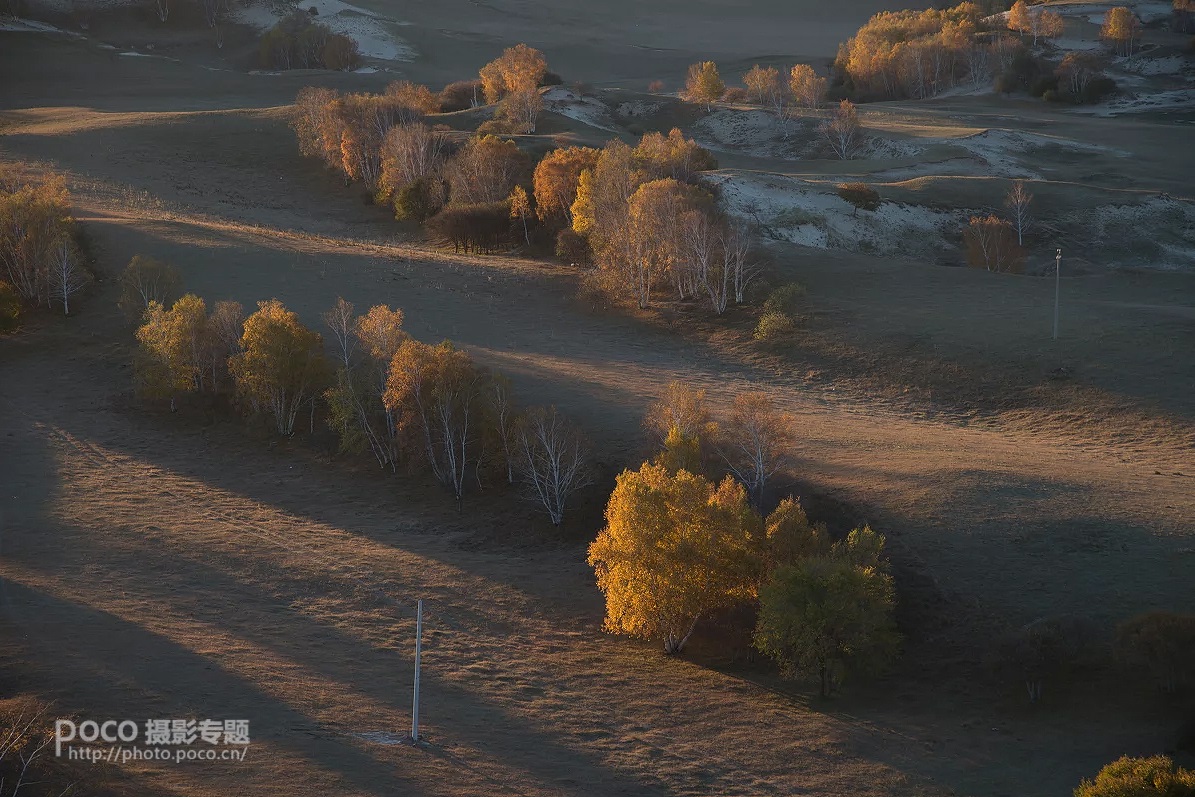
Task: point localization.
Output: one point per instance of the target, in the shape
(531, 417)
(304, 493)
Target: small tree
(755, 441)
(1140, 777)
(523, 108)
(1017, 200)
(762, 83)
(843, 131)
(674, 549)
(1048, 648)
(281, 365)
(520, 209)
(704, 84)
(681, 408)
(518, 69)
(806, 86)
(992, 245)
(1160, 645)
(555, 459)
(859, 195)
(823, 615)
(145, 280)
(67, 274)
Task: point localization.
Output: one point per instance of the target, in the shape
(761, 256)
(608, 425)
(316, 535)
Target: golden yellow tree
(556, 179)
(1121, 29)
(704, 84)
(806, 86)
(675, 548)
(518, 69)
(762, 83)
(281, 366)
(520, 208)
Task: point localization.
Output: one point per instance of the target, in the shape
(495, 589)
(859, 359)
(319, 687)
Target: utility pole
(1057, 289)
(418, 654)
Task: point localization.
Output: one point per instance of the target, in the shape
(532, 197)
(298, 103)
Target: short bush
(1097, 90)
(551, 79)
(1042, 84)
(784, 299)
(735, 95)
(10, 308)
(460, 95)
(572, 248)
(418, 200)
(497, 126)
(1140, 777)
(775, 326)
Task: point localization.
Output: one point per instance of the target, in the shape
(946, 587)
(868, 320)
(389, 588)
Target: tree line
(412, 405)
(639, 214)
(297, 41)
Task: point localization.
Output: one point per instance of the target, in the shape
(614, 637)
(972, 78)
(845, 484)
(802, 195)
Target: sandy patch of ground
(586, 110)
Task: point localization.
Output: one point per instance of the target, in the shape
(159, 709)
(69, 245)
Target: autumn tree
(520, 210)
(860, 196)
(506, 420)
(717, 258)
(675, 548)
(807, 86)
(356, 406)
(485, 170)
(992, 245)
(411, 153)
(756, 439)
(1160, 645)
(35, 222)
(681, 408)
(843, 131)
(673, 156)
(439, 396)
(763, 84)
(555, 459)
(1121, 30)
(144, 280)
(822, 615)
(652, 244)
(281, 366)
(1017, 200)
(414, 95)
(176, 348)
(555, 182)
(518, 69)
(703, 84)
(1140, 777)
(1077, 70)
(790, 537)
(522, 109)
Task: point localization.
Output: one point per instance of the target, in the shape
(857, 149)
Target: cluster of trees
(1157, 648)
(409, 403)
(921, 53)
(650, 226)
(1034, 22)
(513, 81)
(41, 263)
(678, 547)
(1121, 30)
(1182, 18)
(997, 244)
(299, 42)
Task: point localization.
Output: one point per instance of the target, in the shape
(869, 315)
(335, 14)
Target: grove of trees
(299, 42)
(40, 259)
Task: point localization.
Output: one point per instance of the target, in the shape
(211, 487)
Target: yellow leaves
(1122, 29)
(582, 209)
(557, 178)
(674, 547)
(380, 331)
(703, 83)
(518, 69)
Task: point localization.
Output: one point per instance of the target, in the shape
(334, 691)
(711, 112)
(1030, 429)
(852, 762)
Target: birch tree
(843, 131)
(756, 441)
(555, 459)
(281, 364)
(144, 280)
(67, 274)
(1017, 200)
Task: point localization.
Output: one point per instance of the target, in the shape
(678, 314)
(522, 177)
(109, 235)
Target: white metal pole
(418, 654)
(1057, 288)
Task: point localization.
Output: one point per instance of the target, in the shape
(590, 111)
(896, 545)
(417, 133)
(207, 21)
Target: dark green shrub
(418, 200)
(572, 248)
(10, 308)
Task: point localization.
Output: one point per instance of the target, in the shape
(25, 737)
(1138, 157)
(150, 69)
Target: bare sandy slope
(189, 571)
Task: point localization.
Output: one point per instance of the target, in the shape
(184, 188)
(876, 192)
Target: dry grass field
(175, 565)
